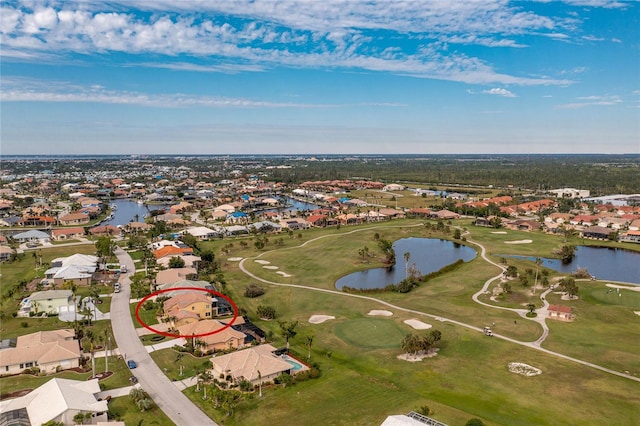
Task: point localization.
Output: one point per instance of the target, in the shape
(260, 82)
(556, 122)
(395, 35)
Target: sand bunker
(380, 313)
(519, 242)
(499, 232)
(636, 312)
(319, 319)
(262, 262)
(419, 356)
(416, 324)
(234, 259)
(284, 274)
(270, 267)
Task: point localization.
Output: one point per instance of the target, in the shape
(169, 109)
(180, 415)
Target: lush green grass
(170, 361)
(370, 333)
(469, 376)
(124, 409)
(119, 379)
(148, 316)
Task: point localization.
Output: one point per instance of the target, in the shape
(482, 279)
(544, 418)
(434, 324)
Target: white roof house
(202, 232)
(76, 259)
(59, 400)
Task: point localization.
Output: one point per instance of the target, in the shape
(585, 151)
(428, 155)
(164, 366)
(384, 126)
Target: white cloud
(587, 101)
(500, 92)
(31, 90)
(331, 34)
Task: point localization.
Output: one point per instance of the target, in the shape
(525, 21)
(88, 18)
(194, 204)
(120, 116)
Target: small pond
(604, 263)
(428, 255)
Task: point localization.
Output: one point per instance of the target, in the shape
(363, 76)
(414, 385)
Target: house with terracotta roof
(558, 312)
(219, 341)
(170, 251)
(188, 307)
(61, 234)
(47, 350)
(106, 231)
(256, 364)
(630, 237)
(172, 275)
(74, 219)
(445, 215)
(523, 225)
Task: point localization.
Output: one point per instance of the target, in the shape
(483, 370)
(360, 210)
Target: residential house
(50, 302)
(187, 307)
(40, 220)
(61, 234)
(630, 237)
(523, 225)
(256, 364)
(558, 312)
(105, 231)
(58, 400)
(32, 236)
(172, 275)
(48, 351)
(266, 226)
(202, 233)
(136, 227)
(5, 253)
(419, 212)
(597, 232)
(74, 219)
(570, 193)
(78, 268)
(445, 215)
(392, 213)
(219, 341)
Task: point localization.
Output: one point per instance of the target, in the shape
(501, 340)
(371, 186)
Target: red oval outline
(164, 333)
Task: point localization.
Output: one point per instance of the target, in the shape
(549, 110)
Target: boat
(114, 207)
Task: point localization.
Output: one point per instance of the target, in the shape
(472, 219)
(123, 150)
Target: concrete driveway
(163, 392)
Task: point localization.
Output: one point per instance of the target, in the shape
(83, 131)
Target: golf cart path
(534, 345)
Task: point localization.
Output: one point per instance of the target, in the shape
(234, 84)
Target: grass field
(362, 381)
(468, 378)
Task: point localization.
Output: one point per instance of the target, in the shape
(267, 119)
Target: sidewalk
(164, 345)
(116, 393)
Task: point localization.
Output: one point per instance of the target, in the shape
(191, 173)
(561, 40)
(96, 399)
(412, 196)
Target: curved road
(169, 399)
(534, 345)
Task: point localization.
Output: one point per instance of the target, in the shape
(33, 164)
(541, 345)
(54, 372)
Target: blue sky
(309, 77)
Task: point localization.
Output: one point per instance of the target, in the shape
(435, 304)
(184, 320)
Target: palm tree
(288, 330)
(71, 285)
(535, 283)
(260, 383)
(309, 342)
(407, 256)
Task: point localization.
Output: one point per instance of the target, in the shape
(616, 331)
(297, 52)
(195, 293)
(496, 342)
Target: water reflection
(428, 255)
(603, 262)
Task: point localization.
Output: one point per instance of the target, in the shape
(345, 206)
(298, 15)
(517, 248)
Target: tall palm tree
(407, 256)
(309, 342)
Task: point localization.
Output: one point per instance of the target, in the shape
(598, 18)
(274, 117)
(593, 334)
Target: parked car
(132, 364)
(133, 380)
(116, 288)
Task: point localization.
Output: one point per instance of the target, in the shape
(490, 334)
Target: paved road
(533, 345)
(163, 392)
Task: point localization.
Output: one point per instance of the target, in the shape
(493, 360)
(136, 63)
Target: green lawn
(148, 316)
(124, 409)
(469, 376)
(119, 379)
(170, 361)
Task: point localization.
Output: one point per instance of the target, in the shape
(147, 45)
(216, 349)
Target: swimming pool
(296, 365)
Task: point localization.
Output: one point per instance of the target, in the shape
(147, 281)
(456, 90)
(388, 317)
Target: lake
(428, 255)
(604, 263)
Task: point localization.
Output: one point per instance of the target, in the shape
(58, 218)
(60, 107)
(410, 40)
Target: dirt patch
(419, 356)
(102, 376)
(15, 394)
(523, 369)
